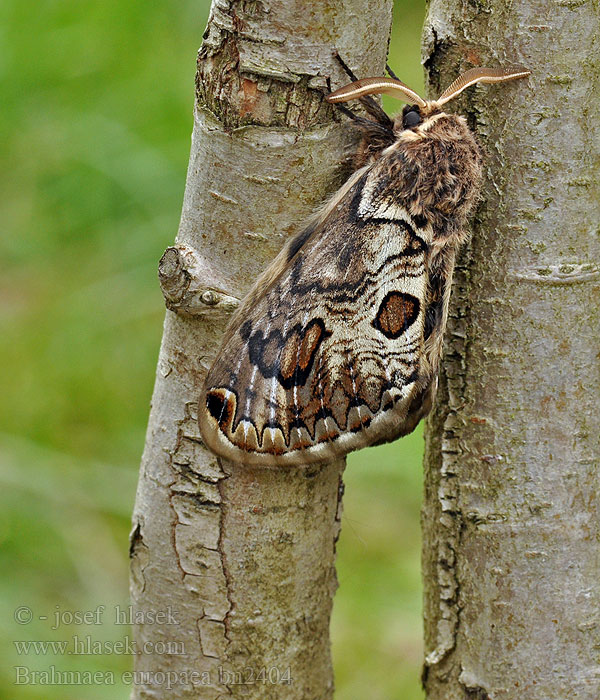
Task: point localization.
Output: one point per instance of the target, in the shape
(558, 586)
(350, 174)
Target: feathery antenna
(396, 88)
(481, 75)
(376, 86)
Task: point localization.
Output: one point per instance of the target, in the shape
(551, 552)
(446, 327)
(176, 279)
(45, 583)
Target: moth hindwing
(338, 343)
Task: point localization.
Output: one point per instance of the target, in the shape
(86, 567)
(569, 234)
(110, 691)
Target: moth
(338, 343)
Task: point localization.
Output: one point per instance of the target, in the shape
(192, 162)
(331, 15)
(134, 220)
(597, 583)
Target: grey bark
(511, 515)
(243, 558)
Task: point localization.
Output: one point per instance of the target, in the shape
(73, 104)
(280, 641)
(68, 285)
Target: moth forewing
(337, 345)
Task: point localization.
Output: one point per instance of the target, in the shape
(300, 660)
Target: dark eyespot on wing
(397, 312)
(220, 407)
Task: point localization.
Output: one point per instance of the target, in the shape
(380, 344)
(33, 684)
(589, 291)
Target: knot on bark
(186, 283)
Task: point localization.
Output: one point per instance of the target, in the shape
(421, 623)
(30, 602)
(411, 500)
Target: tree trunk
(242, 559)
(511, 516)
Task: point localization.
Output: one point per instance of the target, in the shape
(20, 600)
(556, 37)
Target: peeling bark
(243, 558)
(511, 517)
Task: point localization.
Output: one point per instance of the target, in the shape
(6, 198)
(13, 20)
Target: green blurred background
(96, 121)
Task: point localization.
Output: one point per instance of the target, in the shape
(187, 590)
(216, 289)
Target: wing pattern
(325, 354)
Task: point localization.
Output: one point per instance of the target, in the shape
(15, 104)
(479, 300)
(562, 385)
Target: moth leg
(370, 105)
(378, 133)
(343, 109)
(375, 137)
(391, 72)
(347, 70)
(366, 124)
(376, 111)
(350, 114)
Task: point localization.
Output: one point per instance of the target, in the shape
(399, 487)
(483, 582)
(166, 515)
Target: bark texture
(243, 558)
(511, 515)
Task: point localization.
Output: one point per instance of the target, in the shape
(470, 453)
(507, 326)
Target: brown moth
(338, 343)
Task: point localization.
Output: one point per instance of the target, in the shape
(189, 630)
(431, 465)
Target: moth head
(418, 110)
